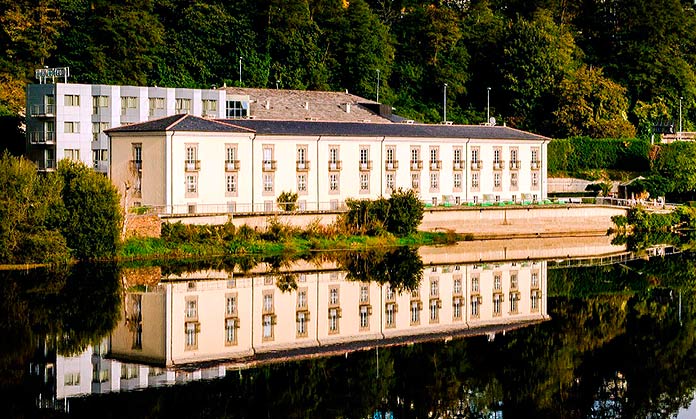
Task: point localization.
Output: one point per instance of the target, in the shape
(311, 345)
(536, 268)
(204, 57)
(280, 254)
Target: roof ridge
(231, 125)
(170, 126)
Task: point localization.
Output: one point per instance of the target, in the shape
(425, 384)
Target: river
(449, 332)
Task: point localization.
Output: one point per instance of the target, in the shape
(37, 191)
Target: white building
(188, 164)
(67, 120)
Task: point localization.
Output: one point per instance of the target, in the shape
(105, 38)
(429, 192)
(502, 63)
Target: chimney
(306, 105)
(347, 107)
(268, 104)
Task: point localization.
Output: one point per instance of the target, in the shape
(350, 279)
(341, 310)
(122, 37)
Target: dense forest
(602, 68)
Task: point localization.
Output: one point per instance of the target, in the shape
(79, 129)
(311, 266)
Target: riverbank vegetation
(72, 213)
(367, 224)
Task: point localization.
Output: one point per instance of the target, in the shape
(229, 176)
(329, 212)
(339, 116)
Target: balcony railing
(476, 164)
(268, 165)
(366, 165)
(514, 164)
(43, 110)
(46, 165)
(391, 164)
(334, 165)
(136, 165)
(535, 165)
(498, 165)
(416, 164)
(457, 165)
(42, 137)
(435, 164)
(101, 166)
(192, 165)
(302, 165)
(231, 165)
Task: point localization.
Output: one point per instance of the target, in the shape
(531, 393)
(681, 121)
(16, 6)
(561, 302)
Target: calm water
(379, 334)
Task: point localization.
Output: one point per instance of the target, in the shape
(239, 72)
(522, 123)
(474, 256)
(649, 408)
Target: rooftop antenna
(444, 104)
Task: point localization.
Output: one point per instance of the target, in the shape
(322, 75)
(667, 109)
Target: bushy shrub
(400, 215)
(287, 201)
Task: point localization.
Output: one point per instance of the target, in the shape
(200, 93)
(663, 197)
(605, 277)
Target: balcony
(457, 165)
(136, 165)
(366, 165)
(514, 164)
(535, 165)
(192, 165)
(498, 165)
(334, 165)
(416, 164)
(46, 165)
(302, 165)
(231, 165)
(391, 164)
(476, 164)
(38, 111)
(268, 165)
(42, 137)
(435, 164)
(101, 166)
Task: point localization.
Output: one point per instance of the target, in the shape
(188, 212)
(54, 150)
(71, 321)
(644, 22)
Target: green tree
(591, 104)
(27, 205)
(91, 215)
(677, 162)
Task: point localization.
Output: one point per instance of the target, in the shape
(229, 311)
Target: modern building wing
(189, 164)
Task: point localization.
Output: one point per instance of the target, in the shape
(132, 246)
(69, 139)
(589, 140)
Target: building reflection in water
(197, 325)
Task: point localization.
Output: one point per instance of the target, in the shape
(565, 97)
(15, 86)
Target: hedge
(579, 153)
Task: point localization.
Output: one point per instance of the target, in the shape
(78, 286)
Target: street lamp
(240, 70)
(680, 116)
(444, 104)
(488, 106)
(378, 85)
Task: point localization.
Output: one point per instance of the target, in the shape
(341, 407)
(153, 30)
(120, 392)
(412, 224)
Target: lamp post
(680, 117)
(240, 71)
(378, 85)
(488, 106)
(444, 104)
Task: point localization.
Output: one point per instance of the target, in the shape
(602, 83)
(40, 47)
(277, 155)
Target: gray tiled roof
(301, 105)
(377, 130)
(182, 122)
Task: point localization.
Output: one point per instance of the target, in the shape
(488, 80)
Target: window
(497, 304)
(231, 184)
(434, 181)
(364, 317)
(231, 154)
(534, 300)
(415, 312)
(364, 158)
(390, 311)
(268, 162)
(475, 180)
(191, 308)
(191, 154)
(230, 331)
(98, 128)
(415, 181)
(99, 102)
(535, 279)
(475, 284)
(138, 152)
(301, 183)
(390, 182)
(496, 180)
(434, 288)
(267, 323)
(72, 154)
(513, 302)
(333, 296)
(210, 106)
(364, 293)
(237, 109)
(333, 182)
(333, 158)
(128, 102)
(496, 156)
(391, 151)
(434, 158)
(474, 155)
(434, 310)
(415, 157)
(514, 164)
(267, 302)
(191, 184)
(155, 103)
(513, 179)
(497, 282)
(389, 293)
(364, 182)
(475, 306)
(333, 320)
(457, 160)
(301, 324)
(71, 379)
(302, 298)
(192, 330)
(70, 127)
(182, 105)
(535, 178)
(302, 163)
(457, 288)
(457, 180)
(231, 305)
(513, 281)
(72, 100)
(535, 156)
(268, 183)
(457, 308)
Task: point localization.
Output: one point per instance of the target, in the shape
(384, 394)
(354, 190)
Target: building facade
(185, 164)
(67, 120)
